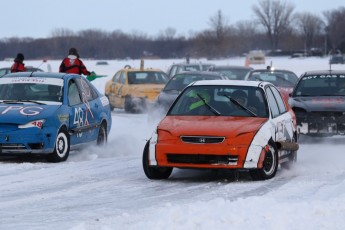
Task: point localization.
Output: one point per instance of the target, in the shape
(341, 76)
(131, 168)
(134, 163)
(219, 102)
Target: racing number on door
(79, 119)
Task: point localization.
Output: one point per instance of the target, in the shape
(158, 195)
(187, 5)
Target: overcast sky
(39, 18)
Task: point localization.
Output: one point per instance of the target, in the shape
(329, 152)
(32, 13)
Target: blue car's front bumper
(24, 141)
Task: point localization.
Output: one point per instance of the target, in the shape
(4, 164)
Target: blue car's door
(93, 107)
(79, 125)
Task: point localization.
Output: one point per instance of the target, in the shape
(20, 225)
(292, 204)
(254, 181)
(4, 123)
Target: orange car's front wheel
(154, 172)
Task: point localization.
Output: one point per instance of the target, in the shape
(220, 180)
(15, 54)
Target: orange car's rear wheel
(292, 159)
(154, 172)
(270, 165)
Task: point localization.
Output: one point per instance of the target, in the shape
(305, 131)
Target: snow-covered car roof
(324, 72)
(232, 82)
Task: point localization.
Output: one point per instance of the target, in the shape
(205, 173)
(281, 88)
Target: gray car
(318, 101)
(182, 67)
(233, 72)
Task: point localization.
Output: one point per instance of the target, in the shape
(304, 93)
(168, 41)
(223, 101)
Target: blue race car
(50, 114)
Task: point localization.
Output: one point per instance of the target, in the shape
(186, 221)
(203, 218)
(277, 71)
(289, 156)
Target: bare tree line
(276, 27)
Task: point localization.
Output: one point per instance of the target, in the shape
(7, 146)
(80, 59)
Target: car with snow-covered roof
(284, 80)
(187, 66)
(7, 70)
(337, 59)
(50, 114)
(232, 72)
(224, 124)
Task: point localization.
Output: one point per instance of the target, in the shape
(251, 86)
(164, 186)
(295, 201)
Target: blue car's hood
(23, 113)
(324, 103)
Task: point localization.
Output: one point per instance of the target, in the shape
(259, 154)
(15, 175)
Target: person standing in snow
(18, 65)
(72, 64)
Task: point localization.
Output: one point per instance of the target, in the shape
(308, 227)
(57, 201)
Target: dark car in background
(318, 101)
(187, 66)
(337, 59)
(176, 84)
(284, 80)
(7, 70)
(232, 72)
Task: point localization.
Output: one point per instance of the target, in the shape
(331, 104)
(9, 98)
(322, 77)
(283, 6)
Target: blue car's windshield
(31, 90)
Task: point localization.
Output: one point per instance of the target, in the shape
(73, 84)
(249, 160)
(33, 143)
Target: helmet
(73, 51)
(240, 96)
(54, 89)
(20, 57)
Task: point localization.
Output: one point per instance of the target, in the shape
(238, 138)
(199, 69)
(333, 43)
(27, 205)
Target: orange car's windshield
(243, 101)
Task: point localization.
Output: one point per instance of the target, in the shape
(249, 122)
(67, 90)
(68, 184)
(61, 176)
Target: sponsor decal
(25, 111)
(36, 80)
(328, 101)
(26, 80)
(104, 101)
(63, 117)
(323, 76)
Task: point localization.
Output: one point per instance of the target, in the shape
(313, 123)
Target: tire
(154, 173)
(292, 158)
(102, 136)
(270, 165)
(61, 147)
(128, 105)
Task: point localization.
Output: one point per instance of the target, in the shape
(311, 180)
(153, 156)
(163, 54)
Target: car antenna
(187, 58)
(44, 60)
(142, 64)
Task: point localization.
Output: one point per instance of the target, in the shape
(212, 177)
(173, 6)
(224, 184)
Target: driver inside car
(241, 97)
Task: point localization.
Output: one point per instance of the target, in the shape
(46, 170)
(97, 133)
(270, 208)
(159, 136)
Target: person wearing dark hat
(72, 64)
(18, 65)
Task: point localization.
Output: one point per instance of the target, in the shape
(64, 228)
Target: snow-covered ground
(107, 189)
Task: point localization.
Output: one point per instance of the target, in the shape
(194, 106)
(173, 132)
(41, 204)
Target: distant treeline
(285, 33)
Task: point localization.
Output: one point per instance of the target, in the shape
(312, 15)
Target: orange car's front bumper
(220, 155)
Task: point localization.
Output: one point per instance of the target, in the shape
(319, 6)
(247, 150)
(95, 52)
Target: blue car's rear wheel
(61, 148)
(102, 137)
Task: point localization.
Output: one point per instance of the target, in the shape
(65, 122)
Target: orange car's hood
(211, 125)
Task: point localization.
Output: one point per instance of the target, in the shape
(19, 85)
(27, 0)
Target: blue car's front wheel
(62, 147)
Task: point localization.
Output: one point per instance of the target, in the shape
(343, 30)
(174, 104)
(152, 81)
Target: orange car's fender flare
(152, 149)
(259, 142)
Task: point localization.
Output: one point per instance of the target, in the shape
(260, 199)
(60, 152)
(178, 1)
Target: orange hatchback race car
(224, 124)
